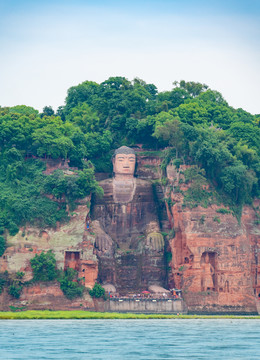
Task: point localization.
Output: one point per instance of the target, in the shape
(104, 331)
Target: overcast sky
(50, 45)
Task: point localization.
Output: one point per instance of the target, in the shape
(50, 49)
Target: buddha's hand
(103, 241)
(155, 241)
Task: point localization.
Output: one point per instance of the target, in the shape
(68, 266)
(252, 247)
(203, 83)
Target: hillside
(202, 156)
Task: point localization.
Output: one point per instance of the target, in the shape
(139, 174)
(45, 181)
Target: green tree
(171, 132)
(47, 111)
(15, 290)
(238, 182)
(2, 245)
(44, 266)
(97, 292)
(70, 286)
(193, 88)
(83, 116)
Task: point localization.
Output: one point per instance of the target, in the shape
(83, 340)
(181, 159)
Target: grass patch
(79, 314)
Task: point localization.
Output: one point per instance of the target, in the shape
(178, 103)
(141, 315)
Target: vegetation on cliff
(44, 268)
(194, 122)
(2, 245)
(97, 292)
(69, 285)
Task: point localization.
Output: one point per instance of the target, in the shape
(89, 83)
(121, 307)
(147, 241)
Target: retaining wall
(155, 306)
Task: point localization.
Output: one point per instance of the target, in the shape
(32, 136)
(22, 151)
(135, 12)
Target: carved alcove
(208, 265)
(72, 260)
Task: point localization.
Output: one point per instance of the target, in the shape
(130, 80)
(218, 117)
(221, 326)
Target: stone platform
(145, 306)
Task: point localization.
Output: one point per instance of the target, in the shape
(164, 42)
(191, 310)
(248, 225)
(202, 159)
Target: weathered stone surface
(215, 263)
(123, 214)
(45, 296)
(127, 257)
(129, 245)
(71, 244)
(148, 167)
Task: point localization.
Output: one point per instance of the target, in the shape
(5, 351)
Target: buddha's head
(124, 161)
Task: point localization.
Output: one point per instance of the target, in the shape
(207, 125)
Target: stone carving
(128, 242)
(208, 272)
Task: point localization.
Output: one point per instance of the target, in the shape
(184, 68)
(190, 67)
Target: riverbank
(46, 314)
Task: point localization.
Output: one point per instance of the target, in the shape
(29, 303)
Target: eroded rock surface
(215, 260)
(72, 246)
(128, 244)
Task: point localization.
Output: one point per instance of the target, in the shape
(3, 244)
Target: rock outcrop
(212, 258)
(72, 245)
(215, 260)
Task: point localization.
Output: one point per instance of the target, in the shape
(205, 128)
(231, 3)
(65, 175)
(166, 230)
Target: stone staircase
(164, 221)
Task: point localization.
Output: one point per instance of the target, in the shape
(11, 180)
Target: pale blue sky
(48, 46)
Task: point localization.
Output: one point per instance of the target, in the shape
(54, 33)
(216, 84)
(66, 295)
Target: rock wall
(44, 296)
(72, 245)
(215, 260)
(150, 306)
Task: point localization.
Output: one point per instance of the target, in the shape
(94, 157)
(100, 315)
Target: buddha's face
(124, 164)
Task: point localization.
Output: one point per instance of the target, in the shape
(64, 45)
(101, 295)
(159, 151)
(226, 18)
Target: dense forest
(191, 124)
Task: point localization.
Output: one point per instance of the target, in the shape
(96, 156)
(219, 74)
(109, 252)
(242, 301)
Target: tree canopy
(192, 119)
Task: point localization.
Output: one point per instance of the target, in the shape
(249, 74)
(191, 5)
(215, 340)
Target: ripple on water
(130, 339)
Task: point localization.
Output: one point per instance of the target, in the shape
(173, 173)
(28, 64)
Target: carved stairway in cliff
(159, 198)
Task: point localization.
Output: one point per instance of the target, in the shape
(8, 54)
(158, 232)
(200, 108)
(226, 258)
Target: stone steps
(161, 204)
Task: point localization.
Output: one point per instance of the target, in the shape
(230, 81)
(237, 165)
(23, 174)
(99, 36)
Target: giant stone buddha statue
(128, 242)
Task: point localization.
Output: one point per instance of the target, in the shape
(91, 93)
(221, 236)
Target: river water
(130, 339)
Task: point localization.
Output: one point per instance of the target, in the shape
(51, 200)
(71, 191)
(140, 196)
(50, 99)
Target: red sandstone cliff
(215, 260)
(73, 247)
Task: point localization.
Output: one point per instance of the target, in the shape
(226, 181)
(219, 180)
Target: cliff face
(72, 246)
(215, 260)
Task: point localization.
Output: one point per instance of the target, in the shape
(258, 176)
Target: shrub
(97, 292)
(15, 290)
(223, 211)
(71, 288)
(217, 219)
(20, 274)
(2, 245)
(202, 219)
(177, 163)
(164, 181)
(168, 256)
(13, 229)
(2, 281)
(44, 266)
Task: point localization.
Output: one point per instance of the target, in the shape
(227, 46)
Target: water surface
(130, 339)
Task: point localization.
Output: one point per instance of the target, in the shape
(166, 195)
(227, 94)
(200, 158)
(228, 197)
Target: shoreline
(81, 314)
